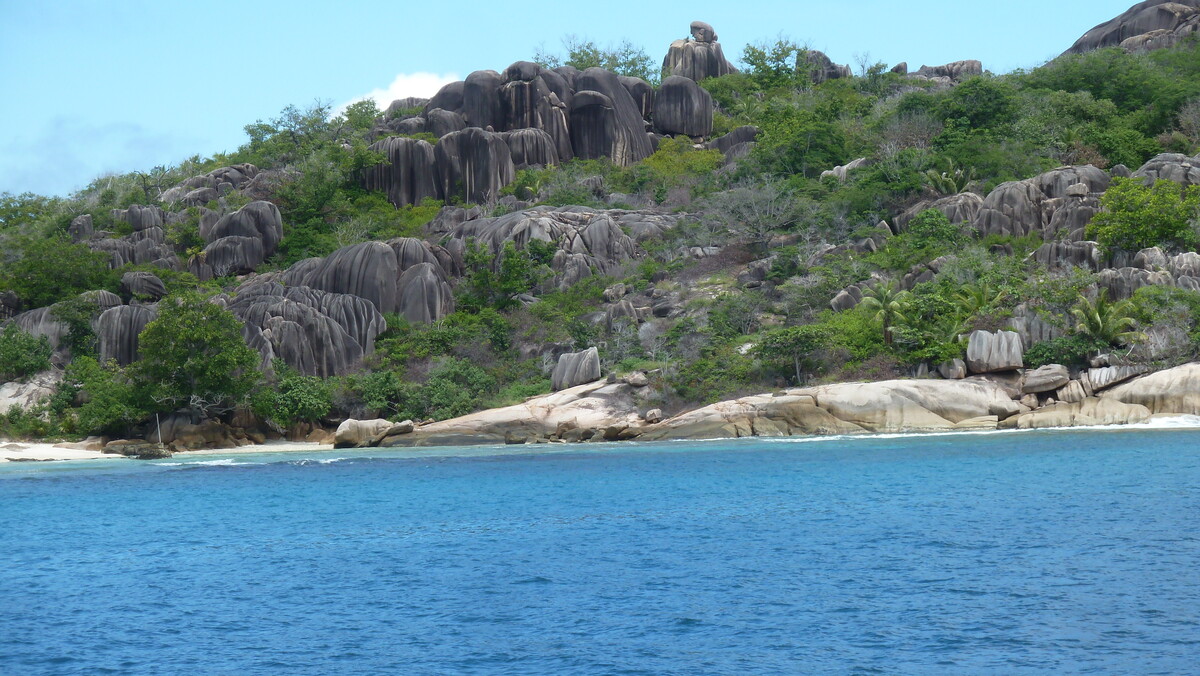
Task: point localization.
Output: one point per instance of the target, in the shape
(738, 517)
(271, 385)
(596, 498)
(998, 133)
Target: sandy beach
(21, 451)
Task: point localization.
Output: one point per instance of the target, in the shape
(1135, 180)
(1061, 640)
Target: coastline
(48, 452)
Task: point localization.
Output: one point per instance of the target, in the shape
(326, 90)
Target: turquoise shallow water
(1048, 552)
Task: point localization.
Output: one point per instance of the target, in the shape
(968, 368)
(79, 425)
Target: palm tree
(889, 305)
(976, 298)
(1106, 322)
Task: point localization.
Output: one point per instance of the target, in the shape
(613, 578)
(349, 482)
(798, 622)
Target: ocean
(1008, 553)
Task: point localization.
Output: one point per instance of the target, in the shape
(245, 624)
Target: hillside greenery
(772, 209)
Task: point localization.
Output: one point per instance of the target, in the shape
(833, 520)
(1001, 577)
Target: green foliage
(796, 141)
(1067, 350)
(773, 66)
(623, 59)
(1135, 216)
(1105, 322)
(928, 235)
(78, 314)
(25, 208)
(294, 398)
(22, 354)
(193, 356)
(52, 269)
(496, 281)
(360, 115)
(887, 305)
(108, 401)
(794, 347)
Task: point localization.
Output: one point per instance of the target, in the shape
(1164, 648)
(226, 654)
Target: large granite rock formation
(408, 175)
(378, 273)
(606, 121)
(481, 100)
(533, 98)
(143, 285)
(313, 331)
(1172, 167)
(989, 352)
(1174, 390)
(1149, 24)
(683, 107)
(117, 330)
(239, 242)
(214, 183)
(576, 368)
(1057, 204)
(821, 68)
(698, 58)
(473, 164)
(531, 148)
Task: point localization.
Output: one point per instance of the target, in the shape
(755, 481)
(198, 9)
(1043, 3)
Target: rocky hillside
(718, 231)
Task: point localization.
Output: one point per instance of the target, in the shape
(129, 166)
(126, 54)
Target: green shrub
(1067, 350)
(1135, 216)
(22, 354)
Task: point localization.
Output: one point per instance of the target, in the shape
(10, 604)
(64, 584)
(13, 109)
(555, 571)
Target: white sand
(14, 450)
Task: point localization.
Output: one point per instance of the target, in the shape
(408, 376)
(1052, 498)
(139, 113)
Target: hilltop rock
(1139, 25)
(239, 242)
(822, 68)
(481, 100)
(533, 98)
(955, 71)
(682, 107)
(699, 58)
(576, 368)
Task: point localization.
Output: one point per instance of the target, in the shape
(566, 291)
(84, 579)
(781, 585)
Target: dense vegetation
(731, 332)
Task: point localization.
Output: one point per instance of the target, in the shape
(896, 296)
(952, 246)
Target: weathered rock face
(1085, 412)
(359, 433)
(955, 71)
(26, 395)
(81, 228)
(576, 368)
(143, 285)
(642, 93)
(683, 107)
(1172, 167)
(596, 411)
(214, 183)
(1121, 283)
(141, 217)
(822, 68)
(1138, 25)
(408, 175)
(698, 58)
(739, 136)
(1174, 390)
(850, 408)
(146, 246)
(532, 98)
(841, 172)
(473, 164)
(378, 273)
(440, 122)
(481, 100)
(607, 120)
(1062, 255)
(239, 242)
(117, 330)
(313, 331)
(586, 239)
(989, 352)
(531, 148)
(1051, 204)
(1045, 378)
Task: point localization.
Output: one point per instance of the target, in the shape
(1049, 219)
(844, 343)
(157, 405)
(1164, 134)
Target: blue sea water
(1046, 552)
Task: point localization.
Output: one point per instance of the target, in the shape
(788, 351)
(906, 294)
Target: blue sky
(95, 86)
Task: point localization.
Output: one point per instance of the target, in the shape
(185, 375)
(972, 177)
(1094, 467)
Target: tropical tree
(1106, 322)
(794, 345)
(889, 304)
(193, 357)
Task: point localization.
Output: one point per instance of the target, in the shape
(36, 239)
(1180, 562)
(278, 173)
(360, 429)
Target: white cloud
(423, 85)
